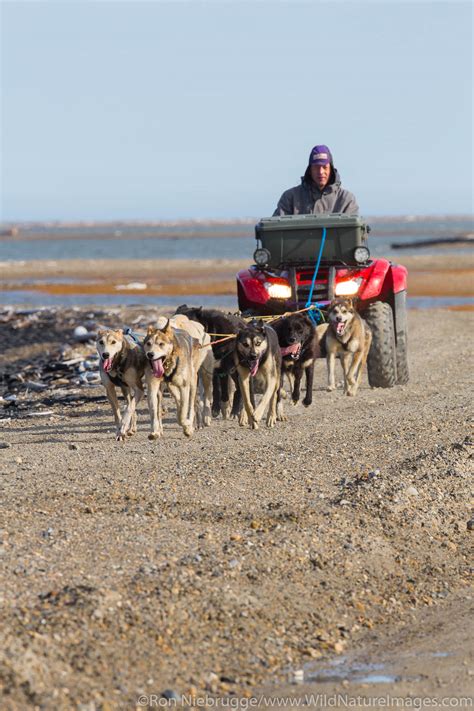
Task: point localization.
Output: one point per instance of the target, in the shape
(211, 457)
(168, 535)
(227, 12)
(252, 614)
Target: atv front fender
(250, 288)
(382, 279)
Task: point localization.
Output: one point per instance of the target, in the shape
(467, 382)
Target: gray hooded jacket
(306, 198)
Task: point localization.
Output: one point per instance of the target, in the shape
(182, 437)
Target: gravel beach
(238, 562)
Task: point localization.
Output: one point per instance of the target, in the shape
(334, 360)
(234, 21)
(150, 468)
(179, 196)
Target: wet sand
(432, 275)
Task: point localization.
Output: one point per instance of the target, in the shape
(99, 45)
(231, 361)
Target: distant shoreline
(78, 224)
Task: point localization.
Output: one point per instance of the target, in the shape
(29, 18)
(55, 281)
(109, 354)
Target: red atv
(307, 260)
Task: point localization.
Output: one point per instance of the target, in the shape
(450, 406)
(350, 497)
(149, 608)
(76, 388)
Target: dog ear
(352, 302)
(150, 329)
(167, 328)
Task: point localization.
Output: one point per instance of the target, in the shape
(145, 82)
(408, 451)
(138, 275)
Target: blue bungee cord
(309, 303)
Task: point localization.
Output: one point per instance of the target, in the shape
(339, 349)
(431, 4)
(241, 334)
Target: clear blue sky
(150, 110)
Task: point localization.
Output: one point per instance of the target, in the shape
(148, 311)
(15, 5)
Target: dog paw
(119, 437)
(243, 419)
(154, 435)
(254, 424)
(307, 402)
(216, 411)
(188, 430)
(207, 421)
(226, 409)
(330, 388)
(271, 421)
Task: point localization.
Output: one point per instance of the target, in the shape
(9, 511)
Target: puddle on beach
(342, 669)
(345, 669)
(34, 298)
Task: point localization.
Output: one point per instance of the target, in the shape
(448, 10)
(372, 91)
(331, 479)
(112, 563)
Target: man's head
(320, 166)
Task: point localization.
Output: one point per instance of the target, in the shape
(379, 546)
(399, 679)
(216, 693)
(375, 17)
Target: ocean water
(201, 241)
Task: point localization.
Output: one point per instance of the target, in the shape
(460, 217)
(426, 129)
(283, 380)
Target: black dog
(299, 344)
(215, 321)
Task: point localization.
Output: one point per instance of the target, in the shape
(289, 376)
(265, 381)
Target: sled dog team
(206, 379)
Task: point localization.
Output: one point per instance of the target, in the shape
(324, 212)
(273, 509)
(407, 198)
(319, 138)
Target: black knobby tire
(382, 360)
(403, 375)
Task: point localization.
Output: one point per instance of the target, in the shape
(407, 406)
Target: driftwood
(459, 239)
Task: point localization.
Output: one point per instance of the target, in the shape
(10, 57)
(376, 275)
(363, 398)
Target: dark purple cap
(320, 155)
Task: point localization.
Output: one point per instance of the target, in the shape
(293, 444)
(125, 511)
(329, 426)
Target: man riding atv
(315, 248)
(320, 190)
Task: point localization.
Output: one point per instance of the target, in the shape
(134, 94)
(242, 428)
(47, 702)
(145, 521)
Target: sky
(179, 110)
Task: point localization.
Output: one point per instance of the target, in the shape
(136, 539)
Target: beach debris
(83, 335)
(461, 238)
(5, 445)
(132, 286)
(41, 413)
(63, 364)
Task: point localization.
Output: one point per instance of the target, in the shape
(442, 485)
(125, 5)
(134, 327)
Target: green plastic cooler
(296, 239)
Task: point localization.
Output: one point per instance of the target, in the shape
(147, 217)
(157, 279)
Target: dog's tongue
(294, 349)
(107, 364)
(340, 328)
(254, 367)
(157, 367)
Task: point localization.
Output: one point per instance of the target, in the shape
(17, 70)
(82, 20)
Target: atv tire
(382, 360)
(403, 375)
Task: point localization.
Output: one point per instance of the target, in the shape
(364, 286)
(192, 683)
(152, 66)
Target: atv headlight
(361, 255)
(278, 291)
(262, 257)
(348, 288)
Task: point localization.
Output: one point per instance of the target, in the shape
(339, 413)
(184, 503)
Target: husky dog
(205, 364)
(257, 358)
(299, 346)
(215, 321)
(172, 358)
(348, 337)
(121, 365)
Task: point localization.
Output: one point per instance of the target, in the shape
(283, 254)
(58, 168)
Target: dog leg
(271, 387)
(206, 376)
(362, 359)
(244, 382)
(182, 397)
(331, 362)
(272, 409)
(281, 417)
(135, 394)
(154, 406)
(216, 392)
(346, 360)
(114, 403)
(237, 403)
(295, 395)
(353, 374)
(308, 398)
